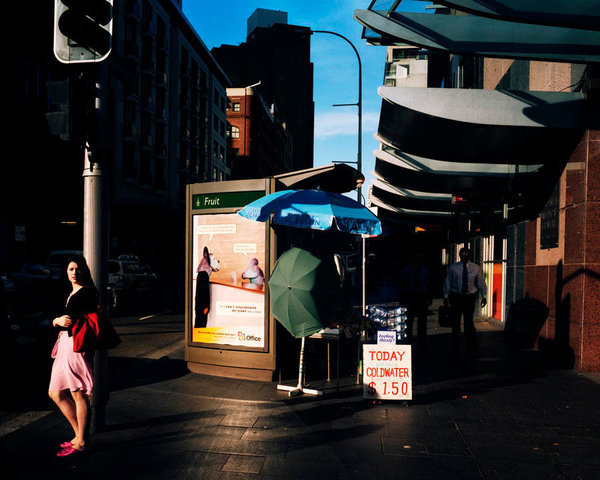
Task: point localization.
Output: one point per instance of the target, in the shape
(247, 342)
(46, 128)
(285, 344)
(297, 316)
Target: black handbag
(444, 316)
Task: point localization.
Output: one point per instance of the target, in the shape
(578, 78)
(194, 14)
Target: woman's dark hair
(86, 275)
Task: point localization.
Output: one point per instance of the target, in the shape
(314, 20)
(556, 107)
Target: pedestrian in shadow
(415, 294)
(463, 281)
(72, 371)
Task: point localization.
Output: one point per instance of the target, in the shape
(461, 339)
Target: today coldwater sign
(387, 372)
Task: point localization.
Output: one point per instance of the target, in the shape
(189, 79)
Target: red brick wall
(571, 287)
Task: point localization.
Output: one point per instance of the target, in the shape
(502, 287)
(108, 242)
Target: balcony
(148, 103)
(149, 29)
(162, 78)
(131, 130)
(161, 149)
(132, 10)
(161, 114)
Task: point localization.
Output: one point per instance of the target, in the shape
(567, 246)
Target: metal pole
(358, 104)
(358, 162)
(93, 251)
(364, 275)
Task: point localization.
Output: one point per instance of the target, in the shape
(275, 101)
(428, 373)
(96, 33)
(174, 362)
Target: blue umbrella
(314, 209)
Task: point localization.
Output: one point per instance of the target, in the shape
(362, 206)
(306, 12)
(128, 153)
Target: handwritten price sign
(387, 372)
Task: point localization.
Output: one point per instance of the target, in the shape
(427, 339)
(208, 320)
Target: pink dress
(73, 370)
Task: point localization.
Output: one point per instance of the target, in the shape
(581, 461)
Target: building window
(185, 58)
(235, 132)
(129, 167)
(146, 169)
(214, 173)
(159, 175)
(236, 107)
(183, 181)
(184, 158)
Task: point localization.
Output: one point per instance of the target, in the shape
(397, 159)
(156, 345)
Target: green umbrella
(303, 291)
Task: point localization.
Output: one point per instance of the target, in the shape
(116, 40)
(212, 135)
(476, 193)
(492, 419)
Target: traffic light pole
(83, 35)
(94, 250)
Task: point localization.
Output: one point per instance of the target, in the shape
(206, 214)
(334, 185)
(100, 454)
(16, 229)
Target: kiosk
(229, 330)
(228, 326)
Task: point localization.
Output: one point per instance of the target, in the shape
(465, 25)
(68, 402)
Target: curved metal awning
(493, 107)
(338, 178)
(390, 154)
(452, 184)
(406, 192)
(458, 125)
(410, 199)
(413, 214)
(473, 35)
(567, 13)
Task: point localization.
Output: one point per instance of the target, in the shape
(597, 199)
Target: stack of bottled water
(389, 318)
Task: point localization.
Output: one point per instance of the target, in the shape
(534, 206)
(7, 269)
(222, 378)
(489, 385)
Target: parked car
(130, 279)
(34, 275)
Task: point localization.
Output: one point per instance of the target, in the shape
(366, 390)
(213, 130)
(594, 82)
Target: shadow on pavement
(126, 372)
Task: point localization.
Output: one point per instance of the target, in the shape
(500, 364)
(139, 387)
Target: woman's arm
(62, 321)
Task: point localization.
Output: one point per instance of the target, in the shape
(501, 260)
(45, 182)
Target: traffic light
(73, 116)
(82, 30)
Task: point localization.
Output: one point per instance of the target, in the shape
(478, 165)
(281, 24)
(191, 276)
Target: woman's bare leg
(67, 407)
(82, 405)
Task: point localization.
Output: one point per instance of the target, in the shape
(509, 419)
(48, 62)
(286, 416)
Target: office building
(162, 124)
(278, 56)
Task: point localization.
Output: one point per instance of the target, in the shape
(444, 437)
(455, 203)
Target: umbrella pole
(301, 366)
(298, 389)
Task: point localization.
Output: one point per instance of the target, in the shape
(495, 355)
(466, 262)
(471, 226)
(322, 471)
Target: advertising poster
(228, 282)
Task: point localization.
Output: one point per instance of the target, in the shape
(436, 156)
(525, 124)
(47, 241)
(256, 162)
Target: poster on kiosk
(228, 280)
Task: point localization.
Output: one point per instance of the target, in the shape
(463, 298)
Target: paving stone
(515, 421)
(243, 464)
(564, 453)
(316, 468)
(527, 453)
(400, 446)
(579, 472)
(506, 468)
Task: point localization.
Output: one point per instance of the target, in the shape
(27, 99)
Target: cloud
(338, 124)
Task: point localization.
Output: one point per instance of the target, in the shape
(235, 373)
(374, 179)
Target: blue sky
(335, 64)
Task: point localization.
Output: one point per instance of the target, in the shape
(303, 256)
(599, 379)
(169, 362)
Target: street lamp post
(357, 104)
(358, 163)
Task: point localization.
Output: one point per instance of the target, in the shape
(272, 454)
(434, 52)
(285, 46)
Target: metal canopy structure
(567, 13)
(473, 35)
(337, 178)
(481, 126)
(490, 145)
(495, 154)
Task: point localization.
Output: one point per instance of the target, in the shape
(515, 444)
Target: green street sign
(224, 200)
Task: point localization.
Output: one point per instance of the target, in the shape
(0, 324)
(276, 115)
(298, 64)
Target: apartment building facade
(162, 124)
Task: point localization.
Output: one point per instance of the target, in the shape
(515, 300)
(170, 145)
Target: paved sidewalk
(499, 415)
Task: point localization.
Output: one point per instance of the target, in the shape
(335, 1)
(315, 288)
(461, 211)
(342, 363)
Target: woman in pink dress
(71, 381)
